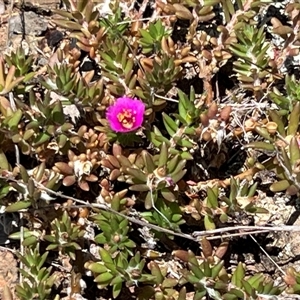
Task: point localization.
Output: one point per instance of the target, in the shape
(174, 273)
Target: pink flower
(126, 114)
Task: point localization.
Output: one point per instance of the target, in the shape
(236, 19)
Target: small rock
(2, 7)
(34, 24)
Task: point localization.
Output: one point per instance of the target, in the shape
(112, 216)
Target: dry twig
(219, 233)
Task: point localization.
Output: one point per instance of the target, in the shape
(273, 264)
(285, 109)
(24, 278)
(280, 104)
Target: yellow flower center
(127, 118)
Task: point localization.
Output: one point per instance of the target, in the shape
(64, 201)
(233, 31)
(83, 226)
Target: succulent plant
(71, 86)
(118, 147)
(286, 102)
(10, 79)
(292, 279)
(164, 286)
(83, 21)
(283, 140)
(117, 67)
(37, 278)
(64, 236)
(80, 168)
(251, 73)
(115, 272)
(114, 233)
(151, 39)
(210, 278)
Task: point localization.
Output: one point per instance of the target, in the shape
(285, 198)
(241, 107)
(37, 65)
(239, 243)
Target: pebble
(2, 7)
(34, 24)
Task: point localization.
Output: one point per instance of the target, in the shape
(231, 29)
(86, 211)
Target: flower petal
(122, 104)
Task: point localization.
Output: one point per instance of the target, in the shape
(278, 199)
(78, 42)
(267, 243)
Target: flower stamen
(127, 118)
